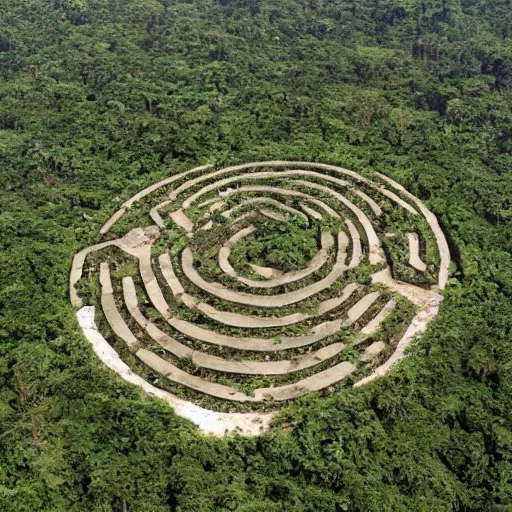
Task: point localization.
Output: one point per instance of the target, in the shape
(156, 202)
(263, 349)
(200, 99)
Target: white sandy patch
(209, 422)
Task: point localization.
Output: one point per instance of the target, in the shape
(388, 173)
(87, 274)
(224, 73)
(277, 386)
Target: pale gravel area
(428, 301)
(209, 422)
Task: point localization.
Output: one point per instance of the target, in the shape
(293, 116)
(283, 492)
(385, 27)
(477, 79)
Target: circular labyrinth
(244, 287)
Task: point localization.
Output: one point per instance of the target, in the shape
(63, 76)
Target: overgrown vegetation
(283, 246)
(99, 99)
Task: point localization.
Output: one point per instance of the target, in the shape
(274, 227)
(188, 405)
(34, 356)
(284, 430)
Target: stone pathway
(414, 252)
(314, 191)
(320, 258)
(265, 301)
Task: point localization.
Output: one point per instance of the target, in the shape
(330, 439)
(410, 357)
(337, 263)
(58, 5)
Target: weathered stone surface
(189, 301)
(250, 322)
(316, 382)
(163, 339)
(210, 422)
(373, 325)
(149, 190)
(372, 351)
(376, 254)
(271, 301)
(150, 282)
(225, 266)
(207, 202)
(239, 236)
(256, 344)
(270, 164)
(303, 387)
(256, 200)
(327, 241)
(108, 304)
(312, 213)
(265, 272)
(377, 210)
(429, 303)
(180, 218)
(168, 272)
(442, 244)
(129, 243)
(310, 183)
(360, 308)
(154, 213)
(316, 334)
(330, 304)
(173, 373)
(242, 217)
(207, 226)
(271, 214)
(259, 322)
(288, 174)
(418, 296)
(279, 191)
(225, 250)
(357, 251)
(216, 206)
(414, 252)
(271, 367)
(216, 363)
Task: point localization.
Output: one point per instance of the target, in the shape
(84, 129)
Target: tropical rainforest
(101, 98)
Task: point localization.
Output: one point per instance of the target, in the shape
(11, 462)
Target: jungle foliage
(100, 98)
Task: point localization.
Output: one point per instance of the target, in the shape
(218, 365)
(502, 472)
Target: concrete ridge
(271, 301)
(210, 362)
(309, 183)
(320, 258)
(414, 252)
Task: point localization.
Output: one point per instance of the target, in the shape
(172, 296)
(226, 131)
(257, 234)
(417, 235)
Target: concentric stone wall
(175, 301)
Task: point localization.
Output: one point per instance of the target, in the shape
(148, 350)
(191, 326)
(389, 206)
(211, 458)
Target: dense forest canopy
(99, 99)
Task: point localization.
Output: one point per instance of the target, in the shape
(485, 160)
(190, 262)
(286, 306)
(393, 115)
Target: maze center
(248, 286)
(282, 246)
